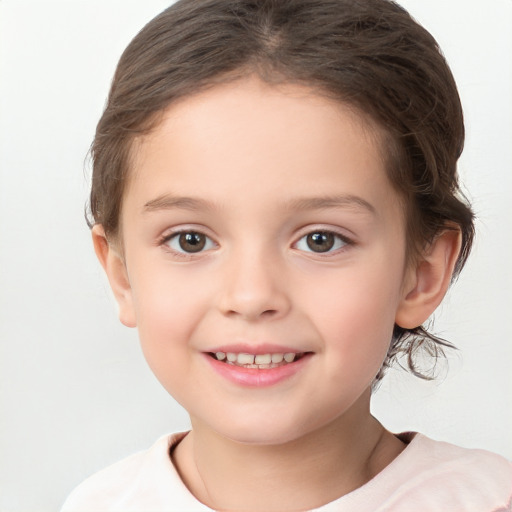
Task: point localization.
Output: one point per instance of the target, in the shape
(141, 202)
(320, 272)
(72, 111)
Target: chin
(263, 432)
(262, 438)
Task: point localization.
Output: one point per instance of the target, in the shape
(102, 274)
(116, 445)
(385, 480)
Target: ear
(429, 279)
(115, 268)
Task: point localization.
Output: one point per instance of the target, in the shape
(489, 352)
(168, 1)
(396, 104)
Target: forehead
(250, 138)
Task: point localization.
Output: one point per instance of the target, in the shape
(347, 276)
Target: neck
(324, 465)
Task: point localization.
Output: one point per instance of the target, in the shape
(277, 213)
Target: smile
(259, 361)
(257, 370)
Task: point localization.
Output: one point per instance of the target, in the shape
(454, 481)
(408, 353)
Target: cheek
(355, 315)
(168, 309)
(165, 297)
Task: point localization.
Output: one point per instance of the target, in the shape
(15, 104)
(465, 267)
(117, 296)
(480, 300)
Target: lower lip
(254, 377)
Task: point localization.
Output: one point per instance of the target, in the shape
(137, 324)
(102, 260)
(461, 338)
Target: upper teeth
(244, 359)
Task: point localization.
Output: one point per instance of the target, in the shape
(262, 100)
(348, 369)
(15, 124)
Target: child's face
(296, 244)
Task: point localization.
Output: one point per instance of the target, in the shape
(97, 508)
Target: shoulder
(451, 458)
(132, 483)
(443, 476)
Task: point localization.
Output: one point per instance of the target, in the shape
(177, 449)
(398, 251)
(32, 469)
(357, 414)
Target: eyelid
(171, 231)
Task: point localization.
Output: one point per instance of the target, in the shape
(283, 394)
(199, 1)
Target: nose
(254, 287)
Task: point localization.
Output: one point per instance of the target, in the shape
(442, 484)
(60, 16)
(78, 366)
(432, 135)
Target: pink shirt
(428, 476)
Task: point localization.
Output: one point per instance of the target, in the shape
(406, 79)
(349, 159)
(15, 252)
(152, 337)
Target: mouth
(258, 361)
(268, 367)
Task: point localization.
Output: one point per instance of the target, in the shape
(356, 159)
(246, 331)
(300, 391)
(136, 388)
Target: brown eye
(321, 241)
(191, 242)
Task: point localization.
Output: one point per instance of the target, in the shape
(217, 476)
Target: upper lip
(255, 348)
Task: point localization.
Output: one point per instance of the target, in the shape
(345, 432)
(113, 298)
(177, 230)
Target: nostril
(248, 314)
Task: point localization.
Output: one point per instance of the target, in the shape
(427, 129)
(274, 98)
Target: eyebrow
(327, 202)
(169, 202)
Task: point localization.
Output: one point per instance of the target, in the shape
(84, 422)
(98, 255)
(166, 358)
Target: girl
(276, 206)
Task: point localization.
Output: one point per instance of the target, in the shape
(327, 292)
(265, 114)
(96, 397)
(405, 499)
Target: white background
(75, 392)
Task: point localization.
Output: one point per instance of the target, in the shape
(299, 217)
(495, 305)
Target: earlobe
(115, 268)
(429, 280)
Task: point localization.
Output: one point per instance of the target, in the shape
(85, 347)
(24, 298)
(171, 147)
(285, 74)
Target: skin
(262, 167)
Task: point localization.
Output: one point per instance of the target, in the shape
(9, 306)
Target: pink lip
(254, 377)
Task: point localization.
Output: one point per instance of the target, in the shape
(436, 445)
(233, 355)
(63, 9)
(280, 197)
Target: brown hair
(369, 54)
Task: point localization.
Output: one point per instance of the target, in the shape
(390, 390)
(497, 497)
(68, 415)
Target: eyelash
(341, 241)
